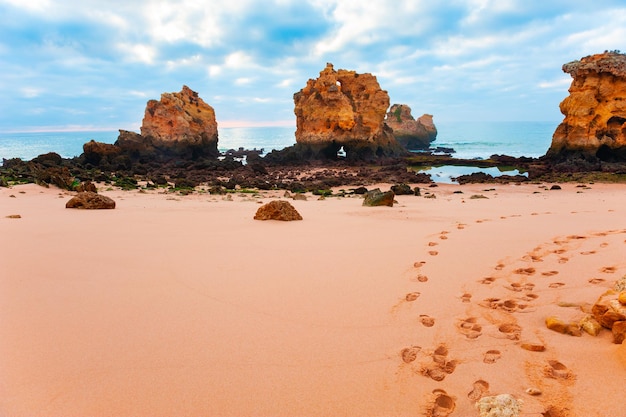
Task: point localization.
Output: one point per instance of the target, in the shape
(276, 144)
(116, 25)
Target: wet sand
(176, 305)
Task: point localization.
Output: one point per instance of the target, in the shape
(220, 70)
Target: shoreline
(174, 305)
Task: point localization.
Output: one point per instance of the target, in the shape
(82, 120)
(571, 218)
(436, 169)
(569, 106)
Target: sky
(93, 64)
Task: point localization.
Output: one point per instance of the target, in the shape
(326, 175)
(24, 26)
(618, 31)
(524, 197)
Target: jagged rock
(503, 405)
(94, 152)
(378, 198)
(90, 200)
(619, 332)
(411, 133)
(86, 186)
(181, 124)
(590, 325)
(402, 189)
(622, 298)
(559, 326)
(277, 210)
(343, 109)
(594, 127)
(49, 159)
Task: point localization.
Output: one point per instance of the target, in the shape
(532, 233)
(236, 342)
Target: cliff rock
(343, 109)
(594, 127)
(182, 124)
(410, 133)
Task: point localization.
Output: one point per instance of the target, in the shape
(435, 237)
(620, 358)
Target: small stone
(555, 187)
(299, 197)
(277, 210)
(590, 325)
(622, 298)
(556, 324)
(619, 332)
(14, 216)
(503, 405)
(533, 391)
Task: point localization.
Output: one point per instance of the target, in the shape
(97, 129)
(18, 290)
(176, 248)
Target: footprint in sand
(510, 330)
(588, 252)
(412, 296)
(433, 253)
(479, 388)
(419, 264)
(487, 280)
(491, 356)
(596, 281)
(422, 278)
(466, 298)
(410, 354)
(549, 273)
(470, 328)
(443, 237)
(460, 226)
(427, 321)
(563, 260)
(432, 243)
(608, 269)
(441, 366)
(525, 271)
(557, 370)
(556, 284)
(499, 267)
(442, 404)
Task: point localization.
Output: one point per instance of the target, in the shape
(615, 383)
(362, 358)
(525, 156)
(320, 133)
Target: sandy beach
(176, 305)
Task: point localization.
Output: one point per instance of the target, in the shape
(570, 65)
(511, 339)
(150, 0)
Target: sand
(176, 305)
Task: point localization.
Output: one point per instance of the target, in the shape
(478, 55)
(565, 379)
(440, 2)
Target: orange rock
(181, 120)
(343, 109)
(411, 133)
(595, 110)
(277, 210)
(619, 332)
(622, 298)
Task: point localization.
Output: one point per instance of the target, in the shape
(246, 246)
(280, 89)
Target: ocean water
(469, 139)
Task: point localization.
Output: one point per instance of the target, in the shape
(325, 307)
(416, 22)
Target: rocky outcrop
(594, 128)
(91, 201)
(343, 109)
(410, 133)
(181, 123)
(94, 151)
(377, 198)
(277, 210)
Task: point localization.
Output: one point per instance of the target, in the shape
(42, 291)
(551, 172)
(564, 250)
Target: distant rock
(410, 133)
(181, 123)
(378, 198)
(594, 127)
(277, 210)
(94, 152)
(90, 200)
(343, 109)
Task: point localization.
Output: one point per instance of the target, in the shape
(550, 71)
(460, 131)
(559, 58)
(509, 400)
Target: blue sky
(93, 64)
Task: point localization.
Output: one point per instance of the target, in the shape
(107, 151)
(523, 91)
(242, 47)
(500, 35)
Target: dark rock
(94, 152)
(378, 198)
(49, 159)
(402, 189)
(360, 190)
(555, 187)
(90, 200)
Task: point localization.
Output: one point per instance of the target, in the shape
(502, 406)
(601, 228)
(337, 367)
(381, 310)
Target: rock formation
(277, 210)
(343, 109)
(376, 198)
(594, 127)
(181, 123)
(410, 133)
(91, 201)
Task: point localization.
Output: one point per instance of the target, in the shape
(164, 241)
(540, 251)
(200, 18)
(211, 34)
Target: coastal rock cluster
(411, 133)
(594, 127)
(343, 109)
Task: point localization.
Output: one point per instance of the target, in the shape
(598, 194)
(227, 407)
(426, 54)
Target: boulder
(619, 332)
(343, 109)
(277, 210)
(90, 200)
(594, 128)
(181, 124)
(378, 198)
(402, 189)
(94, 152)
(410, 133)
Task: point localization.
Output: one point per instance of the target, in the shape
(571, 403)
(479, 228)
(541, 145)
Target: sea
(470, 140)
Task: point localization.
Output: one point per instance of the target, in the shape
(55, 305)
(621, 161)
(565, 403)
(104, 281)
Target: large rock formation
(181, 123)
(410, 133)
(343, 109)
(594, 127)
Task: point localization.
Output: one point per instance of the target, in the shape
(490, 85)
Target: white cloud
(243, 81)
(138, 52)
(31, 92)
(559, 84)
